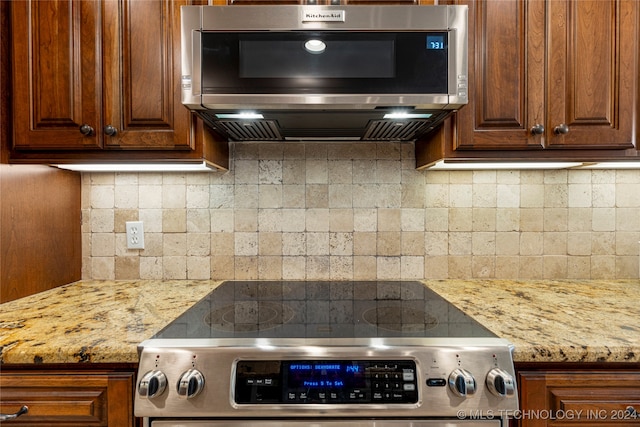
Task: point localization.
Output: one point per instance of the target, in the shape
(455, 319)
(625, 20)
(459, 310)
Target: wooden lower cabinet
(585, 397)
(61, 398)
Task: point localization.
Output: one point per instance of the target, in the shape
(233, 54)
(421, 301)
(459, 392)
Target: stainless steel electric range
(325, 353)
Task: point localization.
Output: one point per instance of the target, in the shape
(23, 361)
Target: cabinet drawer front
(67, 399)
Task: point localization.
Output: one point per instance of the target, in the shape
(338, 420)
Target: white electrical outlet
(135, 235)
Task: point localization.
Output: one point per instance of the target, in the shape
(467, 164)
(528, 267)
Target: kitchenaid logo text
(323, 16)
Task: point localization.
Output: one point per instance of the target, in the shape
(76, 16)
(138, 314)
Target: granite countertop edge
(103, 322)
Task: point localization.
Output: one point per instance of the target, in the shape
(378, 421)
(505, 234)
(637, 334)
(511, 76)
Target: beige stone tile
(270, 267)
(603, 266)
(508, 196)
(579, 219)
(554, 267)
(484, 219)
(389, 243)
(340, 196)
(340, 150)
(411, 267)
(198, 268)
(556, 196)
(294, 172)
(531, 220)
(270, 196)
(603, 219)
(579, 267)
(436, 177)
(531, 195)
(294, 244)
(223, 267)
(508, 177)
(461, 177)
(341, 244)
(150, 196)
(270, 151)
(152, 220)
(483, 267)
(174, 244)
(531, 267)
(627, 176)
(436, 267)
(317, 196)
(151, 268)
(270, 220)
(246, 267)
(388, 171)
(436, 219)
(484, 195)
(460, 219)
(556, 176)
(224, 196)
(222, 244)
(270, 244)
(120, 218)
(531, 244)
(126, 196)
(127, 268)
(174, 220)
(246, 244)
(365, 219)
(340, 171)
(317, 244)
(174, 196)
(412, 219)
(508, 243)
(317, 150)
(364, 171)
(627, 195)
(197, 196)
(174, 178)
(152, 178)
(603, 243)
(412, 243)
(341, 220)
(153, 245)
(555, 243)
(579, 195)
(364, 243)
(386, 150)
(318, 267)
(199, 245)
(101, 178)
(317, 171)
(460, 267)
(293, 220)
(246, 171)
(269, 171)
(103, 268)
(364, 268)
(245, 220)
(507, 219)
(577, 243)
(340, 267)
(103, 245)
(366, 196)
(460, 195)
(293, 196)
(436, 243)
(294, 268)
(366, 150)
(102, 221)
(627, 267)
(460, 243)
(507, 267)
(628, 219)
(483, 243)
(317, 220)
(222, 220)
(555, 219)
(389, 220)
(198, 221)
(388, 267)
(628, 243)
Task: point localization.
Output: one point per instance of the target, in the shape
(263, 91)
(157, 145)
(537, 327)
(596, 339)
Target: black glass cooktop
(322, 309)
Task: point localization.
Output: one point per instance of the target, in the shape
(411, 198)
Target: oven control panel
(325, 382)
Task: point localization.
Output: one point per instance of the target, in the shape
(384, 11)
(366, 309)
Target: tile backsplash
(361, 211)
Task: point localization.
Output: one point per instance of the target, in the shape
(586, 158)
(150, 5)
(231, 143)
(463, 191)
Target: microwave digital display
(436, 42)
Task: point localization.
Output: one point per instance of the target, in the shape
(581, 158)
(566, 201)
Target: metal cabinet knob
(7, 417)
(110, 130)
(537, 129)
(561, 129)
(86, 130)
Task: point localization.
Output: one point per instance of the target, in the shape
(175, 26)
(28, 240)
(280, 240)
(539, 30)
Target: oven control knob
(190, 384)
(152, 384)
(501, 383)
(462, 383)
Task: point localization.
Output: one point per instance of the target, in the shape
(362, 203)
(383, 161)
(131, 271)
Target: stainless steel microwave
(291, 72)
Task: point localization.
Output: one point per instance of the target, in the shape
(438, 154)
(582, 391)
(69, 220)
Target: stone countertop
(555, 320)
(93, 321)
(104, 321)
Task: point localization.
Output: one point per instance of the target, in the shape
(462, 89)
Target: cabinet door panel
(591, 87)
(55, 74)
(142, 87)
(506, 74)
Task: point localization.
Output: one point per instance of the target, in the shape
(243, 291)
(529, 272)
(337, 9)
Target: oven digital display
(326, 382)
(330, 375)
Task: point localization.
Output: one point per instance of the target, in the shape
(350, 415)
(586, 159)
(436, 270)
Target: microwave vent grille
(394, 130)
(252, 130)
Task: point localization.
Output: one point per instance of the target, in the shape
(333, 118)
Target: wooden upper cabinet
(557, 74)
(56, 74)
(108, 68)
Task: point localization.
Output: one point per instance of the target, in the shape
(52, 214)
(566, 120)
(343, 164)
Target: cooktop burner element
(340, 309)
(307, 352)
